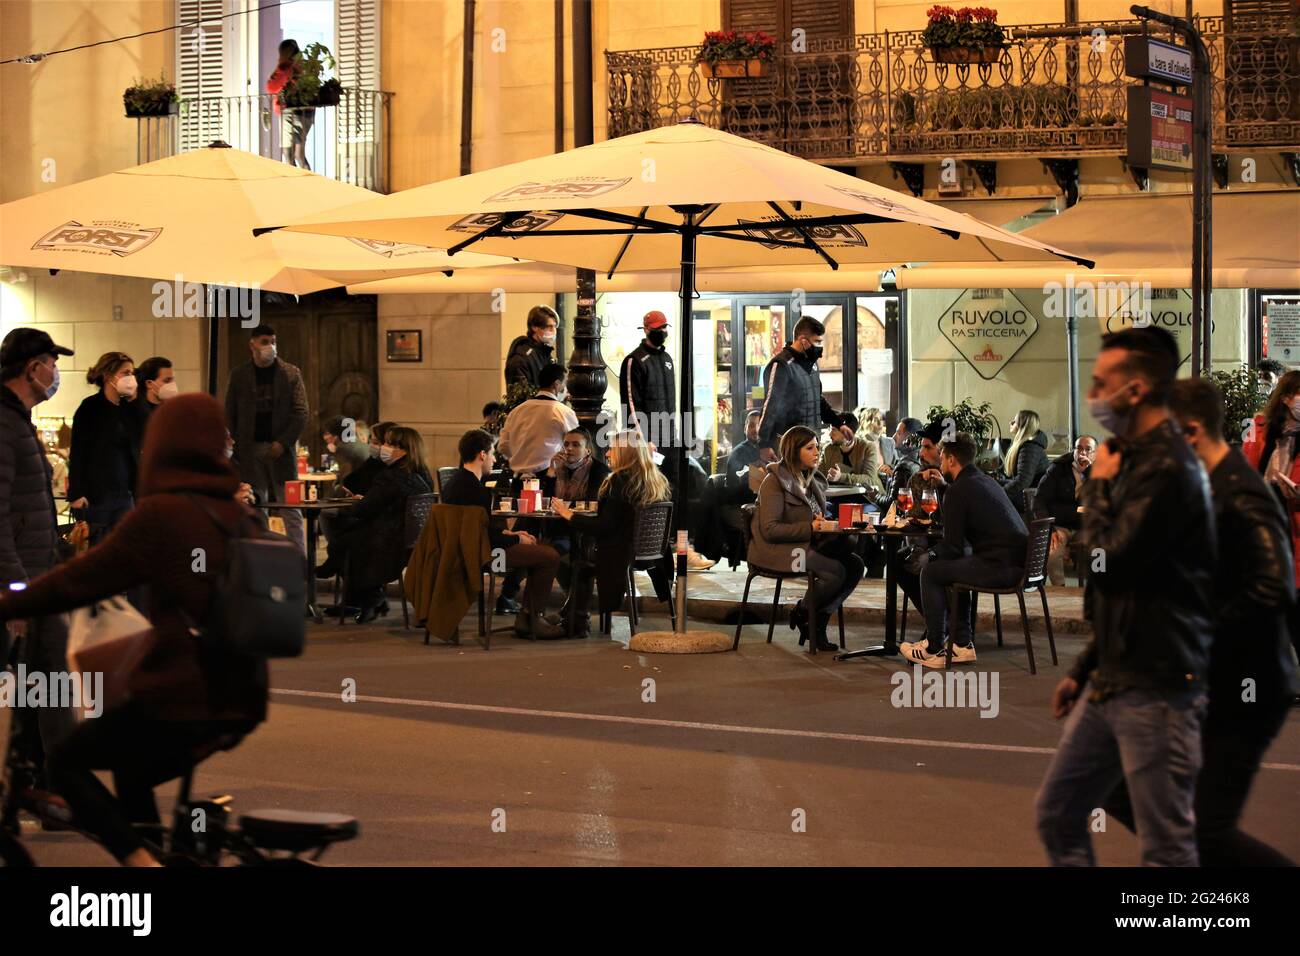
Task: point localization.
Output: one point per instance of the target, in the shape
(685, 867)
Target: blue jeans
(1150, 740)
(103, 516)
(935, 579)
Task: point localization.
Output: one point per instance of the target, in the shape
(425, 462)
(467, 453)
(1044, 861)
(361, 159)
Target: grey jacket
(289, 413)
(28, 527)
(783, 519)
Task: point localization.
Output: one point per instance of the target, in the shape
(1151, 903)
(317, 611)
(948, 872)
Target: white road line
(696, 725)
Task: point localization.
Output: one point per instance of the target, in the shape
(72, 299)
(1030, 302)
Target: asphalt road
(553, 754)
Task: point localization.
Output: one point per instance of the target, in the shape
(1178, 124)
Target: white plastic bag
(90, 629)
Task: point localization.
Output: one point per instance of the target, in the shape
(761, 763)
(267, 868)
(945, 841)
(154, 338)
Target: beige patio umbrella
(192, 216)
(672, 198)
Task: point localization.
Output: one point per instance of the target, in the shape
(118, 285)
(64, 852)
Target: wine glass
(929, 501)
(904, 500)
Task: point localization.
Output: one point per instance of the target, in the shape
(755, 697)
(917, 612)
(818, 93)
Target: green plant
(1243, 395)
(732, 45)
(149, 97)
(307, 88)
(976, 420)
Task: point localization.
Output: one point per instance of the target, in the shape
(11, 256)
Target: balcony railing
(347, 142)
(882, 95)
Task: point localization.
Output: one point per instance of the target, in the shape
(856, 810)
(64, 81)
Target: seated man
(477, 458)
(344, 443)
(852, 461)
(745, 454)
(977, 514)
(1058, 498)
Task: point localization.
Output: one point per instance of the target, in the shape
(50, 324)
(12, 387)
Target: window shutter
(200, 71)
(356, 40)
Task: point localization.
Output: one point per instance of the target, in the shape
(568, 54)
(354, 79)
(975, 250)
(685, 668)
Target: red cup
(846, 516)
(293, 492)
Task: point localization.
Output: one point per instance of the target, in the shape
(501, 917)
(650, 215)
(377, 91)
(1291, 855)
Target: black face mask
(657, 337)
(814, 352)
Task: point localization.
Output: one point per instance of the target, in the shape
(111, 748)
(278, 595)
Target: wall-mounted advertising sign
(1148, 59)
(988, 327)
(1159, 129)
(1282, 322)
(1168, 309)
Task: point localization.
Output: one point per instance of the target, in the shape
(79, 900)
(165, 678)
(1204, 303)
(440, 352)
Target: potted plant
(150, 98)
(968, 35)
(975, 420)
(1243, 396)
(728, 54)
(307, 88)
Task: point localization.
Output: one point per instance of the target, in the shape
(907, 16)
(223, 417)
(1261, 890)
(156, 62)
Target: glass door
(713, 358)
(765, 328)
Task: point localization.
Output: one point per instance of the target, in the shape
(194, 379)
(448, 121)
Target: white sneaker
(963, 655)
(917, 654)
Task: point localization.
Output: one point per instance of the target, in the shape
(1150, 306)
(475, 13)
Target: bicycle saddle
(296, 830)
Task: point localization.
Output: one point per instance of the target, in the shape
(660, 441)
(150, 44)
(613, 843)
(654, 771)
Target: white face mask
(548, 338)
(385, 454)
(126, 386)
(266, 355)
(168, 390)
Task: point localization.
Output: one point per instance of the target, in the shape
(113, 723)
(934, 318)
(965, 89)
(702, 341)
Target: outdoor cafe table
(311, 510)
(891, 538)
(575, 526)
(844, 491)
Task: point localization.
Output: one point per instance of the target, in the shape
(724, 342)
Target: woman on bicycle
(184, 700)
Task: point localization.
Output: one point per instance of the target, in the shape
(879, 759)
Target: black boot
(799, 620)
(577, 605)
(823, 643)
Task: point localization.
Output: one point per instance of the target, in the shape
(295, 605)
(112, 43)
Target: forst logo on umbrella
(390, 250)
(486, 220)
(100, 238)
(577, 188)
(778, 233)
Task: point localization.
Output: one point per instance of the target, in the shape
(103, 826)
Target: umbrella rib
(854, 219)
(606, 215)
(776, 207)
(623, 248)
(505, 222)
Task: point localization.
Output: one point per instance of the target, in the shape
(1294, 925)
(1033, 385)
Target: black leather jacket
(906, 468)
(1255, 589)
(1153, 526)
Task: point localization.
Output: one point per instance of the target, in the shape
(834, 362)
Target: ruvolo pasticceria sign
(988, 327)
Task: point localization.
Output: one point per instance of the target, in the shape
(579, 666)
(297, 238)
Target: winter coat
(793, 397)
(181, 679)
(526, 359)
(289, 413)
(374, 529)
(1258, 451)
(445, 573)
(1031, 465)
(648, 393)
(28, 525)
(102, 463)
(782, 524)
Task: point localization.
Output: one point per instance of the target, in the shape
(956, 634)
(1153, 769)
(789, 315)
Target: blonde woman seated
(791, 503)
(633, 481)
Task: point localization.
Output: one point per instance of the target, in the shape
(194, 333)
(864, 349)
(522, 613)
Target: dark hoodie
(161, 544)
(1031, 465)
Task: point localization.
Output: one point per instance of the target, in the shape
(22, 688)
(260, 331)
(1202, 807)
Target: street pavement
(560, 753)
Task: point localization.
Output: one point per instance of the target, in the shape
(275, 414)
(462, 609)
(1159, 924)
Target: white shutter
(356, 41)
(200, 71)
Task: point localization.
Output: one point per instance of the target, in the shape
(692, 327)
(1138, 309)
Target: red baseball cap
(654, 320)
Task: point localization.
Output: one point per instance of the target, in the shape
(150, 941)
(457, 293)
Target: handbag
(109, 638)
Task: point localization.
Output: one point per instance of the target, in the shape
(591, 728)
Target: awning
(539, 278)
(1145, 237)
(998, 212)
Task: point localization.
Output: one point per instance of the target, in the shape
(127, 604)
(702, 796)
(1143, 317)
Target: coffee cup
(507, 504)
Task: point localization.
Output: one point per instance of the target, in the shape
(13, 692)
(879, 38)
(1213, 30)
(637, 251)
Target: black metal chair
(417, 513)
(779, 577)
(1034, 578)
(651, 543)
(444, 474)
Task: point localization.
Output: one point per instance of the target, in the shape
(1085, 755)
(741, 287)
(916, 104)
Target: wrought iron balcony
(882, 95)
(347, 142)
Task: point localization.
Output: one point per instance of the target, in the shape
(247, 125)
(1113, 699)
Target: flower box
(965, 54)
(734, 69)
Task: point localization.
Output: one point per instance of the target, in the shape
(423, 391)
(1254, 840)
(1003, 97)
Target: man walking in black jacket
(1149, 532)
(1251, 676)
(532, 352)
(793, 386)
(977, 514)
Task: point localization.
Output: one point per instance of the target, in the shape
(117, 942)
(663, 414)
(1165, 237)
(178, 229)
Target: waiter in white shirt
(534, 430)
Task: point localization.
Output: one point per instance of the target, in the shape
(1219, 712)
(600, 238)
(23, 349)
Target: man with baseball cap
(29, 375)
(647, 388)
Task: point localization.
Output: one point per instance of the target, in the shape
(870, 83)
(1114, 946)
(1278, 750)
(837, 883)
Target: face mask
(266, 354)
(1295, 402)
(230, 451)
(168, 390)
(814, 352)
(657, 337)
(385, 454)
(332, 448)
(548, 338)
(49, 390)
(126, 386)
(1110, 419)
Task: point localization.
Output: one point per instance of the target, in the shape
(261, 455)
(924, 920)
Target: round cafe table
(311, 512)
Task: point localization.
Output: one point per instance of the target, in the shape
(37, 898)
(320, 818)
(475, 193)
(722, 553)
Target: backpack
(259, 594)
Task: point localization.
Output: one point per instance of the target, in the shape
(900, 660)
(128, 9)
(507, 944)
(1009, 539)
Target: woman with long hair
(1273, 448)
(872, 427)
(791, 506)
(1026, 460)
(634, 481)
(105, 446)
(367, 540)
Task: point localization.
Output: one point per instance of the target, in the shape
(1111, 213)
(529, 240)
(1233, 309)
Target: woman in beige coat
(791, 505)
